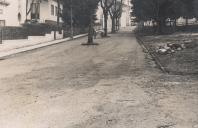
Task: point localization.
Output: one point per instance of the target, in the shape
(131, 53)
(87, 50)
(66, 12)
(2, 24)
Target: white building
(125, 19)
(16, 12)
(3, 6)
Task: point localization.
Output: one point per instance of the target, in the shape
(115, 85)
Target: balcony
(4, 3)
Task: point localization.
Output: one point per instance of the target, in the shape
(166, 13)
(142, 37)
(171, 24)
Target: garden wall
(11, 33)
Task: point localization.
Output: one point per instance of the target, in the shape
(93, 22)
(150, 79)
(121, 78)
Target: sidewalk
(18, 46)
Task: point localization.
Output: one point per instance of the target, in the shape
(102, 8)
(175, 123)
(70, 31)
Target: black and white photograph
(98, 63)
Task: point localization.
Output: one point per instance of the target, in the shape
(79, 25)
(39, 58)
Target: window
(35, 11)
(52, 9)
(56, 13)
(1, 11)
(2, 22)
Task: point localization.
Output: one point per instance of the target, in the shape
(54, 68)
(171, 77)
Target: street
(112, 85)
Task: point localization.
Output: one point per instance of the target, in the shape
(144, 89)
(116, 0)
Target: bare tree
(106, 5)
(119, 14)
(115, 12)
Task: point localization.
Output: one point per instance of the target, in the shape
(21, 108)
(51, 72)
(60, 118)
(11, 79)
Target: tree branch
(101, 3)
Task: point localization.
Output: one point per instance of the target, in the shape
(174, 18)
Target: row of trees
(114, 9)
(81, 14)
(115, 14)
(84, 14)
(159, 11)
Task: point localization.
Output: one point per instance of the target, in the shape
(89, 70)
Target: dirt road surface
(112, 85)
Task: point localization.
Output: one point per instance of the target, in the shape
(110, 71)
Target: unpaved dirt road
(112, 85)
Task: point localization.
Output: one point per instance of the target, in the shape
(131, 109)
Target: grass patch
(183, 61)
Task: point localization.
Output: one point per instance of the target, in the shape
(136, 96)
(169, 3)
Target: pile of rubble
(169, 48)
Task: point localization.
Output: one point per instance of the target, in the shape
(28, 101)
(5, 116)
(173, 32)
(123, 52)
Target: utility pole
(58, 16)
(71, 18)
(26, 11)
(1, 35)
(58, 13)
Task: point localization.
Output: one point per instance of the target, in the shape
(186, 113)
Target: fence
(169, 28)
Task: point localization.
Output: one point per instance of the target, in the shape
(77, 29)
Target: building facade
(3, 5)
(125, 19)
(17, 12)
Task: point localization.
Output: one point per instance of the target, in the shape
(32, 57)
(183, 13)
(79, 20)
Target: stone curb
(15, 51)
(154, 57)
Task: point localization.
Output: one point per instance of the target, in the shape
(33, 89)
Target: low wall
(31, 40)
(14, 33)
(10, 33)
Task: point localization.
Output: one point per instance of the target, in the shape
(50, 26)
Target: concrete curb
(154, 57)
(15, 51)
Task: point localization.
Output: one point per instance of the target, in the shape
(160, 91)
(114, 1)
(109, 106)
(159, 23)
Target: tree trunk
(116, 20)
(105, 23)
(91, 32)
(90, 36)
(113, 28)
(118, 24)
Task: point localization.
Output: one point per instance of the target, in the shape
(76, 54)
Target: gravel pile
(169, 48)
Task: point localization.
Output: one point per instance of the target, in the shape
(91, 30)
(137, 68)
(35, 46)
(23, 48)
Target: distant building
(125, 19)
(182, 21)
(17, 12)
